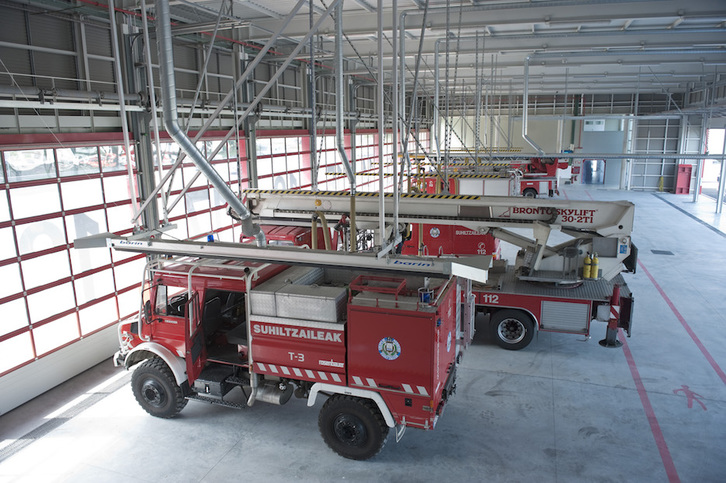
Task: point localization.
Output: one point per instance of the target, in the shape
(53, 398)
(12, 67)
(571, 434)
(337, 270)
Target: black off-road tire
(352, 427)
(511, 329)
(156, 390)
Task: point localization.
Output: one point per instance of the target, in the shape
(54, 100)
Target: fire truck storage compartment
(212, 382)
(404, 348)
(449, 240)
(299, 349)
(565, 316)
(262, 298)
(540, 187)
(556, 309)
(322, 304)
(298, 325)
(486, 186)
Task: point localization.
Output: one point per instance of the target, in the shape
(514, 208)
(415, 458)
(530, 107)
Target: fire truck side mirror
(147, 311)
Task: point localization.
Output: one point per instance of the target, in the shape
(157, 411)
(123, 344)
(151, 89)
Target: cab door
(145, 315)
(196, 351)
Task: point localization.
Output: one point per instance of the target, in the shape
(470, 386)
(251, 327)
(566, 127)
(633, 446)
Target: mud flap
(626, 314)
(448, 390)
(400, 430)
(631, 262)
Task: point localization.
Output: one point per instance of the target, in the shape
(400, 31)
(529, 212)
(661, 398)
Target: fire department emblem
(434, 232)
(389, 348)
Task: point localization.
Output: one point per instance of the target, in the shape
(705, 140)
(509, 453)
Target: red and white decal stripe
(371, 383)
(615, 312)
(308, 374)
(420, 390)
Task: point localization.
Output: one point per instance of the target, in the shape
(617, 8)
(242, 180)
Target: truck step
(238, 381)
(218, 402)
(211, 382)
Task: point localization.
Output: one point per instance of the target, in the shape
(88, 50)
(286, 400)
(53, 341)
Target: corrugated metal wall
(659, 136)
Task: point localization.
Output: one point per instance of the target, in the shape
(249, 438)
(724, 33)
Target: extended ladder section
(474, 268)
(588, 226)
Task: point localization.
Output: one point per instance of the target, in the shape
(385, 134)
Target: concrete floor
(562, 409)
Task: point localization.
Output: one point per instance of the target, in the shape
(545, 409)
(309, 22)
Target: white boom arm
(594, 226)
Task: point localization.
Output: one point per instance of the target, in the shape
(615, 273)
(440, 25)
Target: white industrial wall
(503, 132)
(650, 139)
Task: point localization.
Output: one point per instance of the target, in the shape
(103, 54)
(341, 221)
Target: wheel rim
(511, 331)
(153, 393)
(350, 430)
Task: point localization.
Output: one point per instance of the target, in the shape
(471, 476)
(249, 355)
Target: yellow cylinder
(587, 268)
(595, 268)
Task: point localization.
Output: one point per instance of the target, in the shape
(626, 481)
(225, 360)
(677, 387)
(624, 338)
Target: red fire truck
(529, 178)
(545, 289)
(217, 327)
(540, 176)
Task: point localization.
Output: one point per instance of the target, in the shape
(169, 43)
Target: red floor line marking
(565, 193)
(685, 325)
(660, 441)
(589, 195)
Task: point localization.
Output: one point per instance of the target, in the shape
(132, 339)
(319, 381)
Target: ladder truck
(233, 324)
(549, 287)
(497, 176)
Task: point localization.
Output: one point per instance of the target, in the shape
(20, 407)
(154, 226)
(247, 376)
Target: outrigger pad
(611, 339)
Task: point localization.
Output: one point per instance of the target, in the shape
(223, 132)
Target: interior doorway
(712, 167)
(593, 171)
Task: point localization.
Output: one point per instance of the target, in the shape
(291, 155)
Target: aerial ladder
(591, 226)
(496, 176)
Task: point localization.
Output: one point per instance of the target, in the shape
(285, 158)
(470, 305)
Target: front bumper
(119, 358)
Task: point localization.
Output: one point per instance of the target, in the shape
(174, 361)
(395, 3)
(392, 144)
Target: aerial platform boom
(593, 226)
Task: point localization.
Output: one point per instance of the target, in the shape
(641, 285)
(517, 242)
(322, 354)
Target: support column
(250, 127)
(313, 127)
(139, 130)
(353, 123)
(699, 162)
(312, 90)
(721, 180)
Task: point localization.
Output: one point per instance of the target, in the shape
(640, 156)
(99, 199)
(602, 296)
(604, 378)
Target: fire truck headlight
(126, 338)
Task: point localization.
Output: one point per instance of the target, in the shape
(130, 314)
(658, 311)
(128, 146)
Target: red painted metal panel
(392, 346)
(312, 347)
(528, 303)
(449, 240)
(404, 354)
